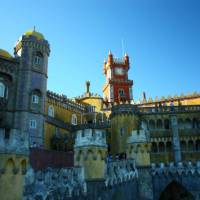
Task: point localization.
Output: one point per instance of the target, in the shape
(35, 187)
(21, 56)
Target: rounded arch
(154, 147)
(166, 124)
(9, 165)
(161, 147)
(175, 190)
(190, 145)
(74, 119)
(168, 146)
(183, 145)
(51, 111)
(151, 124)
(195, 123)
(159, 124)
(188, 123)
(2, 90)
(180, 123)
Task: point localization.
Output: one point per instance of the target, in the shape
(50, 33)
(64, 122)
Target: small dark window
(7, 133)
(122, 132)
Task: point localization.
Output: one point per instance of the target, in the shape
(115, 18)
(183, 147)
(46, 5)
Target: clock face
(119, 71)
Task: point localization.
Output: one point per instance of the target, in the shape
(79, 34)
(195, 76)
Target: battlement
(90, 137)
(138, 137)
(64, 102)
(126, 108)
(44, 184)
(15, 142)
(176, 169)
(169, 98)
(120, 171)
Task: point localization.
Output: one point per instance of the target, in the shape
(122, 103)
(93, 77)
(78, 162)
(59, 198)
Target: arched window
(154, 147)
(151, 124)
(169, 146)
(166, 124)
(38, 58)
(159, 124)
(51, 111)
(180, 124)
(2, 90)
(74, 119)
(188, 123)
(35, 99)
(183, 145)
(190, 145)
(161, 147)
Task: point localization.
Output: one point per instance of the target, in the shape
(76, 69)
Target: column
(175, 139)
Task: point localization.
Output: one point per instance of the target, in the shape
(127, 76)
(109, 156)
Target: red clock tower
(117, 87)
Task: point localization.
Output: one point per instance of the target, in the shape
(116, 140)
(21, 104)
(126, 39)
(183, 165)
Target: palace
(92, 147)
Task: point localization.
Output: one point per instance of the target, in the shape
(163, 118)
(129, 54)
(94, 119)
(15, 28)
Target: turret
(90, 152)
(117, 86)
(32, 50)
(139, 146)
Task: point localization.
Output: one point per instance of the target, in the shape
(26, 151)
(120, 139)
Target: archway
(175, 191)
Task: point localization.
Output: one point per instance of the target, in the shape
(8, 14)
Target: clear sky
(162, 38)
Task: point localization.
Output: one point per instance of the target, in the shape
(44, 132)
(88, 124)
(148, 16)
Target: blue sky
(162, 38)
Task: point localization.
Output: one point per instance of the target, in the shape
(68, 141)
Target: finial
(126, 54)
(34, 28)
(87, 83)
(110, 53)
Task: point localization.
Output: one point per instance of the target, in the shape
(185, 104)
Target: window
(74, 119)
(38, 59)
(2, 89)
(91, 108)
(121, 93)
(33, 124)
(51, 111)
(122, 132)
(35, 99)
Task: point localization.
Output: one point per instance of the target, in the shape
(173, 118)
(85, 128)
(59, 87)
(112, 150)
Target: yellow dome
(34, 33)
(5, 54)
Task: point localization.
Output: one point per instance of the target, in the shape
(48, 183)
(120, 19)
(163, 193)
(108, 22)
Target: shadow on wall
(175, 191)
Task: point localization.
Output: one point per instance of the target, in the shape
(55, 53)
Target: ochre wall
(93, 161)
(12, 179)
(129, 123)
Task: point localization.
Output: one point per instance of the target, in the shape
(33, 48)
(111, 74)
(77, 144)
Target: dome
(5, 54)
(34, 33)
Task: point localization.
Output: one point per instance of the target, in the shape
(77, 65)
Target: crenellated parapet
(120, 171)
(180, 168)
(90, 151)
(90, 137)
(15, 143)
(54, 183)
(63, 101)
(124, 109)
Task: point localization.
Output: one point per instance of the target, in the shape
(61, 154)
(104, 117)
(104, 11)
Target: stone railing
(169, 109)
(54, 183)
(134, 109)
(176, 169)
(59, 123)
(120, 171)
(98, 125)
